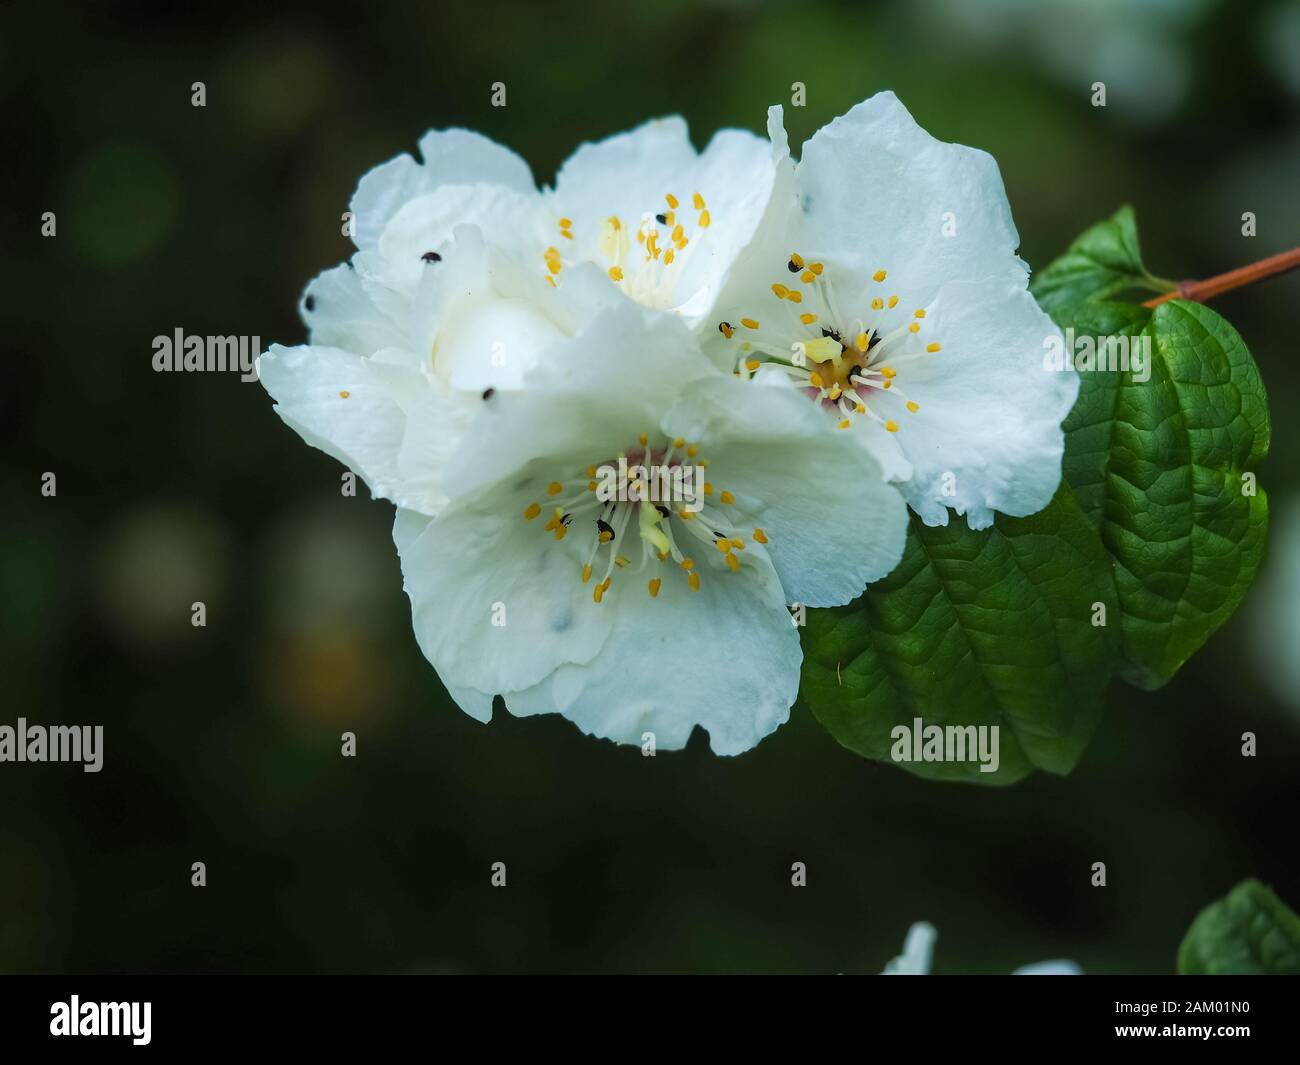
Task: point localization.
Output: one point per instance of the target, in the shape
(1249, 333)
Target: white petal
(878, 192)
(481, 562)
(586, 398)
(918, 952)
(725, 658)
(988, 433)
(343, 315)
(367, 429)
(451, 157)
(833, 524)
(1060, 967)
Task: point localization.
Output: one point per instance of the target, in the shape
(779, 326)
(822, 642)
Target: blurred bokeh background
(222, 743)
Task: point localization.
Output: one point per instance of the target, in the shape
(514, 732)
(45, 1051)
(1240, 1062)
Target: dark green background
(222, 744)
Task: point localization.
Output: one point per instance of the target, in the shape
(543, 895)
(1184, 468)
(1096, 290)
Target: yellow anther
(733, 563)
(622, 562)
(864, 341)
(566, 223)
(704, 220)
(708, 488)
(888, 372)
(669, 256)
(893, 302)
(586, 573)
(752, 365)
(727, 497)
(860, 408)
(807, 277)
(616, 273)
(592, 486)
(879, 275)
(913, 406)
(725, 328)
(877, 304)
(698, 201)
(797, 259)
(678, 233)
(591, 471)
(344, 395)
(780, 291)
(686, 515)
(807, 318)
(836, 392)
(749, 323)
(723, 545)
(794, 297)
(550, 280)
(915, 327)
(891, 426)
(692, 451)
(644, 438)
(598, 593)
(613, 221)
(889, 381)
(843, 425)
(816, 268)
(760, 536)
(554, 488)
(693, 579)
(670, 218)
(932, 347)
(815, 379)
(738, 543)
(531, 511)
(679, 442)
(687, 563)
(672, 201)
(920, 312)
(561, 531)
(654, 587)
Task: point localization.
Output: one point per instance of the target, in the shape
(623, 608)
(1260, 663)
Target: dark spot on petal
(310, 303)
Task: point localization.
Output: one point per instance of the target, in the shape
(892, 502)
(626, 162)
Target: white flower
(634, 617)
(918, 953)
(460, 278)
(885, 284)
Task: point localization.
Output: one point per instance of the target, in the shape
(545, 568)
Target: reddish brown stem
(1200, 291)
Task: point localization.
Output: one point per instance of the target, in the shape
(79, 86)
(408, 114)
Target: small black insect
(488, 393)
(603, 526)
(662, 219)
(664, 512)
(792, 266)
(310, 303)
(431, 257)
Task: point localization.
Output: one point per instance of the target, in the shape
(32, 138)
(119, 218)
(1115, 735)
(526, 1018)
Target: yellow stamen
(654, 587)
(616, 273)
(344, 395)
(532, 510)
(879, 275)
(554, 488)
(704, 219)
(733, 563)
(586, 573)
(672, 201)
(760, 536)
(807, 318)
(912, 406)
(864, 341)
(727, 497)
(698, 201)
(891, 426)
(693, 579)
(932, 347)
(749, 323)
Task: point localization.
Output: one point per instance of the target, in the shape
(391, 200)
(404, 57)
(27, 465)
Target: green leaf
(1103, 263)
(973, 628)
(1162, 467)
(1250, 932)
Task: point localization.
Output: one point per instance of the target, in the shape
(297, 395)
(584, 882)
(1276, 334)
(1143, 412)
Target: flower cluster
(822, 343)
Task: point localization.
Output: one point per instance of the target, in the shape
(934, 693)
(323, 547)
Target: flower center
(646, 263)
(647, 506)
(845, 363)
